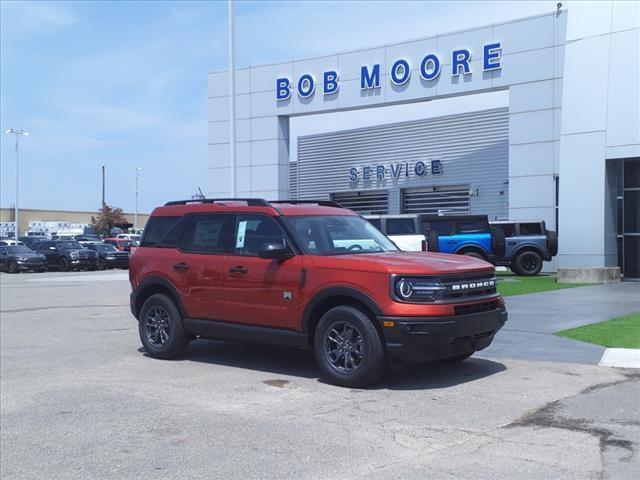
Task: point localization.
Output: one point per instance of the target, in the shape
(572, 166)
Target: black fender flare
(155, 281)
(339, 291)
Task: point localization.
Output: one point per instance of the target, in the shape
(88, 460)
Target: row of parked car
(522, 246)
(82, 252)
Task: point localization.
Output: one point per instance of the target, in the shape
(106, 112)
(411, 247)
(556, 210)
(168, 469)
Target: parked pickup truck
(464, 235)
(527, 244)
(404, 230)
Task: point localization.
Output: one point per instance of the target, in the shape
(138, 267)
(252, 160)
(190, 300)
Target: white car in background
(129, 236)
(404, 230)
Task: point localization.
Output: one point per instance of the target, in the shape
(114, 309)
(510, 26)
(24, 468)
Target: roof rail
(251, 202)
(322, 203)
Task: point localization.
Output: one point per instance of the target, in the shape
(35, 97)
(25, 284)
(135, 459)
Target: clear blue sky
(123, 84)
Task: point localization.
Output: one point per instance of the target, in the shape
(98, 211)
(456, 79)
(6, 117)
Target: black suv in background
(68, 255)
(109, 256)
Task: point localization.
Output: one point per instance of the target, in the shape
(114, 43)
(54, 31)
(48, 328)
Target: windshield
(338, 235)
(68, 245)
(18, 249)
(106, 248)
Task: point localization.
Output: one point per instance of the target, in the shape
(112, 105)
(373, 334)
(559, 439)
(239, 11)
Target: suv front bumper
(424, 339)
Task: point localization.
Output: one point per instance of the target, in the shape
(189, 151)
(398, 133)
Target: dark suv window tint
(444, 228)
(472, 226)
(206, 234)
(509, 229)
(401, 226)
(156, 229)
(253, 231)
(530, 229)
(375, 222)
(173, 236)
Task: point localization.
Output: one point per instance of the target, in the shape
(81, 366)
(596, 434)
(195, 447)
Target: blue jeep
(463, 234)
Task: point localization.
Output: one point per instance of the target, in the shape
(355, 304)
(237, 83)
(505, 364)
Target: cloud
(35, 17)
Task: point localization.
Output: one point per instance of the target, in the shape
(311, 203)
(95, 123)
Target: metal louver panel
(436, 200)
(293, 180)
(368, 202)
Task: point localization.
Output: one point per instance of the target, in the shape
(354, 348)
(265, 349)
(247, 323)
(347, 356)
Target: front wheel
(160, 328)
(102, 265)
(348, 348)
(527, 263)
(64, 265)
(12, 267)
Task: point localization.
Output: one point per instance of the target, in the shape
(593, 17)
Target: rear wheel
(12, 267)
(102, 265)
(474, 255)
(527, 263)
(348, 348)
(160, 328)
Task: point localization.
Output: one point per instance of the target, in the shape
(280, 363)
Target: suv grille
(476, 308)
(461, 287)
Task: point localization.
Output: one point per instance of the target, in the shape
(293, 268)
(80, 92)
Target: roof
(252, 205)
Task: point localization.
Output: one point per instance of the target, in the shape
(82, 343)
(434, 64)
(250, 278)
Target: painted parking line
(621, 358)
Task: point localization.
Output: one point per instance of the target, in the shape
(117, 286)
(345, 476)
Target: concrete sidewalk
(534, 318)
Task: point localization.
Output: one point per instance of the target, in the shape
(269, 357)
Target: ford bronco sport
(306, 275)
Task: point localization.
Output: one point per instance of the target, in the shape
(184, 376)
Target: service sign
(400, 73)
(394, 171)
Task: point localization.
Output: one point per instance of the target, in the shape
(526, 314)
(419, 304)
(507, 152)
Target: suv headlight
(416, 289)
(73, 254)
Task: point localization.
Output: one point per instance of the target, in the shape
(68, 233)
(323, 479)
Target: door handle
(181, 266)
(511, 243)
(451, 241)
(239, 269)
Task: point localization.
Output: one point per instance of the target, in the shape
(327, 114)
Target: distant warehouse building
(554, 135)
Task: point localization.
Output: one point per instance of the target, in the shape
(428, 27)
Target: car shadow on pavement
(301, 363)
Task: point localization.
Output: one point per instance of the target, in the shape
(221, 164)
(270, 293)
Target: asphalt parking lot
(81, 400)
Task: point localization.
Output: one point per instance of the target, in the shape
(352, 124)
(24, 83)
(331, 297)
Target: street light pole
(17, 134)
(232, 100)
(135, 218)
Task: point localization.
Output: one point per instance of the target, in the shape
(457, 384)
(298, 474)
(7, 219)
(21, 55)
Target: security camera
(559, 5)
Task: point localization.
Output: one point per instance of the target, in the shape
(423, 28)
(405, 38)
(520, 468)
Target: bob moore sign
(395, 171)
(400, 73)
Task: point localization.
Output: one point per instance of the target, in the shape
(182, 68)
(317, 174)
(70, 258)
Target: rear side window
(530, 229)
(401, 226)
(444, 228)
(156, 229)
(207, 233)
(472, 226)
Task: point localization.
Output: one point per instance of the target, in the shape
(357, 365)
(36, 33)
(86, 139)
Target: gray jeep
(527, 245)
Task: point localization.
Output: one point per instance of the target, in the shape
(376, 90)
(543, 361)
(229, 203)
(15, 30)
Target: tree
(108, 217)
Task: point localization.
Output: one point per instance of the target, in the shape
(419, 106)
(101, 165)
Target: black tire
(12, 267)
(473, 254)
(102, 265)
(458, 358)
(432, 241)
(166, 340)
(363, 361)
(552, 243)
(527, 263)
(498, 242)
(64, 265)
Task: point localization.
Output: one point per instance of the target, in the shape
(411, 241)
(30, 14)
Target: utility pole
(232, 100)
(16, 215)
(135, 218)
(103, 202)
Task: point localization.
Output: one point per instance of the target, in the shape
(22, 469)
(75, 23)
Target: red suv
(306, 275)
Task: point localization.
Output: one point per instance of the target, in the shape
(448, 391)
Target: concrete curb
(621, 358)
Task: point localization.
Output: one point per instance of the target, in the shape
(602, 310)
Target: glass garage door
(366, 202)
(436, 200)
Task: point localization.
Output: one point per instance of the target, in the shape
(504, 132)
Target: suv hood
(415, 263)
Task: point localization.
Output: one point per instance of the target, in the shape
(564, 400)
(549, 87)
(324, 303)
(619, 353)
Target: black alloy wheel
(160, 328)
(64, 264)
(102, 265)
(528, 263)
(12, 267)
(344, 347)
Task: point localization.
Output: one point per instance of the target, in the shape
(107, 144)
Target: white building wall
(600, 121)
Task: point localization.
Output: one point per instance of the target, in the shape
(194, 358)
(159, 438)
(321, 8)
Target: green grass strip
(621, 332)
(514, 285)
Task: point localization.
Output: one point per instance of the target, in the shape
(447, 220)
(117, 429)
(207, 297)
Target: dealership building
(536, 118)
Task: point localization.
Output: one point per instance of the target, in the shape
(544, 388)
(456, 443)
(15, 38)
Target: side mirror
(275, 251)
(52, 248)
